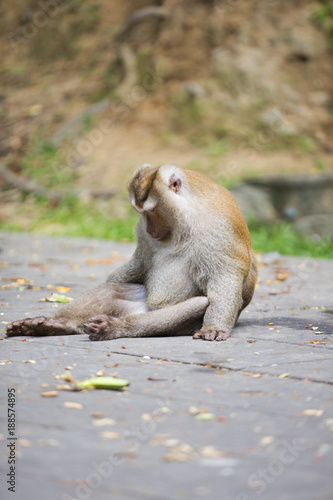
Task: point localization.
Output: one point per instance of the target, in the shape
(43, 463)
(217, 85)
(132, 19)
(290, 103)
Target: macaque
(192, 273)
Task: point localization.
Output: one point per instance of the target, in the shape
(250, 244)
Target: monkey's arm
(180, 319)
(224, 293)
(132, 271)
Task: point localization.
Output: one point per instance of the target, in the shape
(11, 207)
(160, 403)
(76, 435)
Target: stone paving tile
(267, 437)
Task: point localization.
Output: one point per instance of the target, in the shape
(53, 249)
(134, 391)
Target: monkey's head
(157, 193)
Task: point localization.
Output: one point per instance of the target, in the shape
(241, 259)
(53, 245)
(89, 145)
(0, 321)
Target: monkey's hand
(211, 335)
(103, 327)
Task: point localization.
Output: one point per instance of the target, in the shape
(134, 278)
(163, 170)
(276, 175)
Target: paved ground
(267, 391)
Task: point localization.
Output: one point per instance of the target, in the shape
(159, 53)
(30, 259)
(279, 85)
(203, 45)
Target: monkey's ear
(175, 183)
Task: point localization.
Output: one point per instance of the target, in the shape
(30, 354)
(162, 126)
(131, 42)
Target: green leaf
(103, 383)
(55, 297)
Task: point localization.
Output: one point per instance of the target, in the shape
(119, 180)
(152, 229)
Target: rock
(306, 42)
(255, 203)
(319, 98)
(270, 258)
(304, 200)
(222, 61)
(193, 89)
(278, 122)
(290, 93)
(307, 194)
(316, 224)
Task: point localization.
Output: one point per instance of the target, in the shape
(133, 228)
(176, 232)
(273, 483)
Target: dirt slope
(231, 88)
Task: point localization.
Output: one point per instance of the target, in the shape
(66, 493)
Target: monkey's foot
(102, 327)
(211, 335)
(39, 326)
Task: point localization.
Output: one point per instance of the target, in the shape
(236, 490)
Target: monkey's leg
(225, 303)
(179, 319)
(118, 300)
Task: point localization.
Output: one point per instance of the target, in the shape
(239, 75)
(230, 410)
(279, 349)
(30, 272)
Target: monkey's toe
(211, 335)
(24, 327)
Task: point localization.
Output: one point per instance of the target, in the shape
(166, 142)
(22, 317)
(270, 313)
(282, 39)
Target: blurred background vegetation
(89, 90)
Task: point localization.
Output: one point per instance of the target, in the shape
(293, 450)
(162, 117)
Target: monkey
(192, 273)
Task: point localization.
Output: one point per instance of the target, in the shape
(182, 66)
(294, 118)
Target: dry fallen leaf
(177, 456)
(281, 276)
(97, 414)
(193, 410)
(73, 406)
(103, 421)
(311, 412)
(50, 394)
(266, 440)
(171, 443)
(48, 442)
(319, 342)
(180, 453)
(63, 289)
(146, 416)
(210, 452)
(25, 443)
(165, 410)
(160, 439)
(63, 387)
(110, 435)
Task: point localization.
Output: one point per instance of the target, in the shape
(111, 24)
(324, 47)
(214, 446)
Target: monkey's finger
(211, 335)
(90, 328)
(38, 321)
(205, 335)
(222, 336)
(98, 319)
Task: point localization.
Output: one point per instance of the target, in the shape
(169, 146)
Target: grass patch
(283, 238)
(60, 37)
(44, 163)
(217, 148)
(73, 218)
(324, 16)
